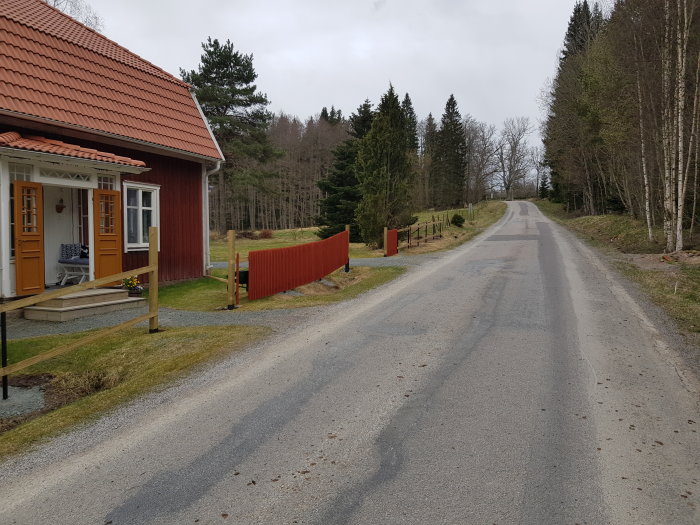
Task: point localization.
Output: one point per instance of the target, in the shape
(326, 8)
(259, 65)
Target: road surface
(512, 380)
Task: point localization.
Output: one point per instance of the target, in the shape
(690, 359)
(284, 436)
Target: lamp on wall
(60, 206)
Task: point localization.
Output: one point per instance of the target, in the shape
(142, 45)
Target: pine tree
(236, 111)
(225, 89)
(384, 171)
(449, 158)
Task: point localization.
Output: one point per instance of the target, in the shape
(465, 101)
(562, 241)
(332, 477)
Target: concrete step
(68, 313)
(87, 297)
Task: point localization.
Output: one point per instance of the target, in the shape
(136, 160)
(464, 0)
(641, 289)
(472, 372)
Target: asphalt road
(513, 380)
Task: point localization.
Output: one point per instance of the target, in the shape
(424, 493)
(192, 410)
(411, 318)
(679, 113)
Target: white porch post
(5, 248)
(91, 235)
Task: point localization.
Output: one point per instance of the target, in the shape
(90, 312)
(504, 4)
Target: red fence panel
(280, 269)
(392, 243)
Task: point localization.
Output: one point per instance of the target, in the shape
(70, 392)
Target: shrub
(245, 234)
(266, 234)
(457, 220)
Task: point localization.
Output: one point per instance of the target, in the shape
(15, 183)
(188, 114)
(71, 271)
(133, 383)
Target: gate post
(347, 263)
(231, 241)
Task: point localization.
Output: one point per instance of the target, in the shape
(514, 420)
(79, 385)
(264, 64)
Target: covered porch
(60, 213)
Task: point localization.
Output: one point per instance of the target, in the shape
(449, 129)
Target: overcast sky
(495, 56)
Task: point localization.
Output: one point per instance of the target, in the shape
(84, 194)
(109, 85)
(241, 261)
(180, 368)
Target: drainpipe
(205, 190)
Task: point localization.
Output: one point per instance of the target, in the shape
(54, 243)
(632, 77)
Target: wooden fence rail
(151, 316)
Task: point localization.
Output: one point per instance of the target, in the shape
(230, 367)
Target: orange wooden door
(107, 249)
(29, 238)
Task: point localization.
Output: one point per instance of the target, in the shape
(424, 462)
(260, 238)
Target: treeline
(370, 170)
(621, 134)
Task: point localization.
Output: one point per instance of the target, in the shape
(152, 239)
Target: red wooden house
(96, 145)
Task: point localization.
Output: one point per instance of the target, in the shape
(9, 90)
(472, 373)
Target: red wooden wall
(181, 239)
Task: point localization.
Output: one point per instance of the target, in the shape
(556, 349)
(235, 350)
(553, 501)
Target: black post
(3, 330)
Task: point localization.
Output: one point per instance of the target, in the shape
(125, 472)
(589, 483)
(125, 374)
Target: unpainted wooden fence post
(386, 240)
(231, 243)
(238, 278)
(153, 279)
(3, 323)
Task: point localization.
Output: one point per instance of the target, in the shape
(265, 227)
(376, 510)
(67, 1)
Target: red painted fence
(280, 269)
(392, 243)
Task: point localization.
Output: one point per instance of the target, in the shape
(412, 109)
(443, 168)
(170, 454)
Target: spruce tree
(384, 171)
(341, 187)
(411, 123)
(361, 121)
(450, 158)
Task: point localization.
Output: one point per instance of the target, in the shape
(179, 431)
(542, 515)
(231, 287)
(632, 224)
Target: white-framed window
(141, 211)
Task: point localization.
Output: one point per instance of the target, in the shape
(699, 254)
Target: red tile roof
(56, 69)
(12, 139)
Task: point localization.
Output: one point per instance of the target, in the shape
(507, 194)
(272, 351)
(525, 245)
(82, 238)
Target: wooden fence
(151, 316)
(279, 269)
(424, 231)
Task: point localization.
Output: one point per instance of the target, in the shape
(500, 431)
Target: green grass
(621, 232)
(293, 237)
(428, 215)
(280, 239)
(485, 214)
(209, 295)
(678, 293)
(360, 279)
(99, 376)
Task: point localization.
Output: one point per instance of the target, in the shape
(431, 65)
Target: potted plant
(133, 286)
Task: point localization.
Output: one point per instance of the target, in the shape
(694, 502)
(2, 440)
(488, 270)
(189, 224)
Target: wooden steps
(83, 304)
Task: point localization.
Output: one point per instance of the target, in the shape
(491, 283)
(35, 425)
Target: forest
(371, 169)
(621, 132)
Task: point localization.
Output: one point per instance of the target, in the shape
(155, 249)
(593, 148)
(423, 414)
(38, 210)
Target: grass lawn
(485, 214)
(95, 378)
(209, 295)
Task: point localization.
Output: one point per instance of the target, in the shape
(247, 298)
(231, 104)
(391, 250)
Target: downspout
(205, 212)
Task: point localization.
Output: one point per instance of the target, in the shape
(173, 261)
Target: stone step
(68, 313)
(87, 297)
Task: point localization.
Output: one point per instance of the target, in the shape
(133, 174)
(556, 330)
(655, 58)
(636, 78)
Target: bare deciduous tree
(81, 11)
(513, 153)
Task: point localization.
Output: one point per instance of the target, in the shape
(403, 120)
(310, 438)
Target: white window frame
(142, 244)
